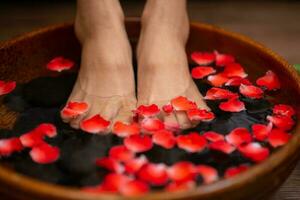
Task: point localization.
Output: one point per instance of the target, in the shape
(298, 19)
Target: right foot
(105, 80)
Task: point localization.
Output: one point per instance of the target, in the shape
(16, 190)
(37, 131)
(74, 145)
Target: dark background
(273, 23)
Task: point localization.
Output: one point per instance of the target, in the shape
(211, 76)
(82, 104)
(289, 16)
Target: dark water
(40, 101)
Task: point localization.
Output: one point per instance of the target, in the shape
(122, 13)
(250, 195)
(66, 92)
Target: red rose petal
(7, 87)
(138, 143)
(110, 164)
(278, 138)
(233, 171)
(94, 124)
(114, 182)
(168, 108)
(44, 153)
(254, 151)
(134, 188)
(232, 105)
(208, 173)
(282, 109)
(155, 174)
(151, 124)
(269, 81)
(222, 146)
(223, 59)
(203, 58)
(134, 165)
(182, 171)
(200, 115)
(239, 136)
(183, 104)
(59, 64)
(147, 111)
(237, 81)
(46, 129)
(31, 139)
(217, 80)
(120, 153)
(124, 130)
(180, 186)
(261, 131)
(164, 138)
(74, 109)
(219, 93)
(192, 142)
(9, 146)
(234, 70)
(201, 72)
(251, 91)
(281, 121)
(213, 136)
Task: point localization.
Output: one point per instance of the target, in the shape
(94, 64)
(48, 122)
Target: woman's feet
(163, 72)
(105, 81)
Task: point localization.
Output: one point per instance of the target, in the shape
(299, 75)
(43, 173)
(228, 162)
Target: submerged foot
(163, 72)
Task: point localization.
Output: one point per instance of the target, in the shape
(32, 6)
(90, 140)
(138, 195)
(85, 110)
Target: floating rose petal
(234, 70)
(269, 81)
(201, 72)
(31, 139)
(9, 146)
(180, 186)
(219, 93)
(155, 174)
(182, 171)
(261, 131)
(232, 105)
(110, 164)
(168, 108)
(213, 136)
(237, 81)
(233, 171)
(151, 124)
(208, 173)
(239, 136)
(164, 138)
(147, 111)
(200, 115)
(222, 146)
(74, 109)
(94, 124)
(278, 138)
(183, 104)
(46, 129)
(251, 91)
(203, 58)
(282, 109)
(125, 130)
(223, 59)
(44, 153)
(254, 151)
(138, 143)
(281, 121)
(7, 87)
(114, 182)
(192, 142)
(134, 165)
(217, 80)
(59, 64)
(134, 188)
(120, 153)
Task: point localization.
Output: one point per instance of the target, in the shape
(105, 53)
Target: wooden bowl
(24, 58)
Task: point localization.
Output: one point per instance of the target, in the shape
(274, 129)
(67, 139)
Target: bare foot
(105, 80)
(163, 72)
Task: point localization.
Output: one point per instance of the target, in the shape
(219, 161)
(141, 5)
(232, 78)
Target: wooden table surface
(275, 24)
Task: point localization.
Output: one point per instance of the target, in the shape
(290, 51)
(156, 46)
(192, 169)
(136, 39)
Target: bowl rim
(26, 184)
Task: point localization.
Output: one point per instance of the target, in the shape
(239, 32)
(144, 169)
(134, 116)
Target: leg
(105, 80)
(163, 67)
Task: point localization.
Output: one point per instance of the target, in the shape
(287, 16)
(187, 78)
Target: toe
(171, 122)
(183, 120)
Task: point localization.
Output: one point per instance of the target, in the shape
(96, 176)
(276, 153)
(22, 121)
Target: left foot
(163, 72)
